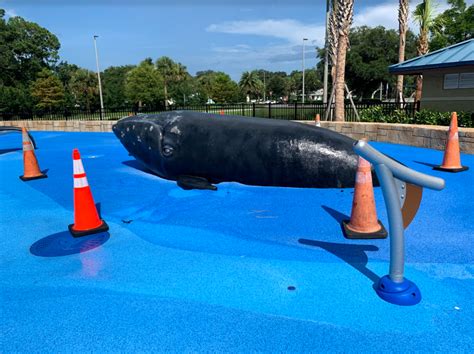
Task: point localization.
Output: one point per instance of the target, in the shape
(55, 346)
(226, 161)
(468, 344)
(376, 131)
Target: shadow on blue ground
(137, 165)
(338, 216)
(354, 255)
(6, 151)
(63, 244)
(425, 163)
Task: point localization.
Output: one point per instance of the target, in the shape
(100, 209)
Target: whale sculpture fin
(193, 182)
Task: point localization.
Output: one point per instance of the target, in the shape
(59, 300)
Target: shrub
(424, 116)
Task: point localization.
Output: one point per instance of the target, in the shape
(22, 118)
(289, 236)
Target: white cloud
(290, 30)
(290, 33)
(386, 14)
(239, 48)
(10, 13)
(379, 15)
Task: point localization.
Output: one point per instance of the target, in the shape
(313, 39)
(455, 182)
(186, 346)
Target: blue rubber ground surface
(210, 271)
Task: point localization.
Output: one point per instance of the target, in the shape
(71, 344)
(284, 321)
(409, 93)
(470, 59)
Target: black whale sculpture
(198, 150)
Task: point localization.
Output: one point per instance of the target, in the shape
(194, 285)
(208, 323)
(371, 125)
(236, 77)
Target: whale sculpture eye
(167, 150)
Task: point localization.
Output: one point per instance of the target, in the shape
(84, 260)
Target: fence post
(296, 109)
(269, 109)
(242, 108)
(253, 109)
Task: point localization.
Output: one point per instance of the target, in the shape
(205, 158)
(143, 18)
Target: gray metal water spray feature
(393, 177)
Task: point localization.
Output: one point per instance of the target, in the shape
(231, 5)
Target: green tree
(113, 79)
(6, 56)
(217, 86)
(47, 90)
(205, 81)
(188, 91)
(144, 85)
(84, 87)
(312, 80)
(65, 72)
(372, 51)
(403, 7)
(224, 90)
(250, 84)
(27, 48)
(171, 72)
(295, 83)
(457, 25)
(16, 99)
(344, 12)
(424, 14)
(278, 85)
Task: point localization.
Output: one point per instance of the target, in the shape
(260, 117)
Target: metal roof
(460, 54)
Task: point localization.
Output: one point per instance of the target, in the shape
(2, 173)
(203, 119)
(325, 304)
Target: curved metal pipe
(19, 130)
(398, 170)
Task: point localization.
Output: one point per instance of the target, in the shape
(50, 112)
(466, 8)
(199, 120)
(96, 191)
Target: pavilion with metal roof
(448, 77)
(456, 55)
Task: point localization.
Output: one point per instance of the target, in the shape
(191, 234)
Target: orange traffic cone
(222, 112)
(364, 223)
(86, 218)
(317, 120)
(452, 155)
(31, 168)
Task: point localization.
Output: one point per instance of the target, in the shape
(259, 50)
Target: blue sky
(231, 36)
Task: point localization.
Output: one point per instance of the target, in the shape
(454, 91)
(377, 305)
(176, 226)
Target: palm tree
(344, 14)
(332, 41)
(171, 72)
(250, 84)
(402, 29)
(425, 16)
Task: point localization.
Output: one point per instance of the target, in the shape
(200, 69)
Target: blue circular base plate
(405, 293)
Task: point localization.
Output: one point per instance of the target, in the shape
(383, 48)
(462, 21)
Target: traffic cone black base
(460, 169)
(354, 235)
(75, 233)
(23, 178)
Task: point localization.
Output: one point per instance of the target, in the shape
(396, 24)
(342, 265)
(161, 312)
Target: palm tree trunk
(166, 97)
(402, 27)
(419, 87)
(340, 80)
(421, 50)
(344, 19)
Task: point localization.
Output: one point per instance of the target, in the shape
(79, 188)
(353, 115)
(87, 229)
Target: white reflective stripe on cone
(27, 147)
(26, 138)
(80, 182)
(78, 168)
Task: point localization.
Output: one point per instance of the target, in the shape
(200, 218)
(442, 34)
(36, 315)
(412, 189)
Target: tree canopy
(144, 85)
(32, 75)
(27, 48)
(456, 24)
(372, 51)
(47, 90)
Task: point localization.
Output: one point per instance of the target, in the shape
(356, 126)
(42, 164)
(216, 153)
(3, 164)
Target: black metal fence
(291, 111)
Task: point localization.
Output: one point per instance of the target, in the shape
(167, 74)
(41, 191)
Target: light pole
(326, 57)
(98, 77)
(304, 40)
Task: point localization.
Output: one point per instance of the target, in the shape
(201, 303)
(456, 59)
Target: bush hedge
(376, 114)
